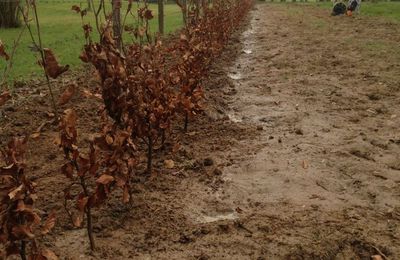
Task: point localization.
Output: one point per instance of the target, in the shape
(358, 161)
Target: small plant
(152, 102)
(20, 225)
(9, 59)
(93, 175)
(135, 88)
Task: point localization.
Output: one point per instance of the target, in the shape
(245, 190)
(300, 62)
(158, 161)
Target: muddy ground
(296, 157)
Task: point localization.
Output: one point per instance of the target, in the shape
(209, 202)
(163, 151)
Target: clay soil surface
(296, 157)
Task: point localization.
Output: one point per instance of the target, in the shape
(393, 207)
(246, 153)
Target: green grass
(389, 10)
(386, 9)
(62, 32)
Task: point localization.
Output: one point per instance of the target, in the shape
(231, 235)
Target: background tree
(9, 15)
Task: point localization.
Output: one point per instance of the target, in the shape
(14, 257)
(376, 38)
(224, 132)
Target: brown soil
(296, 157)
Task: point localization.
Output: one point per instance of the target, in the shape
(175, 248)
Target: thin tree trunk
(53, 102)
(89, 227)
(116, 18)
(185, 127)
(184, 12)
(150, 155)
(161, 16)
(163, 137)
(22, 252)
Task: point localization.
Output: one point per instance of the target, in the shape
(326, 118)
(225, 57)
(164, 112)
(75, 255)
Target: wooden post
(161, 16)
(116, 19)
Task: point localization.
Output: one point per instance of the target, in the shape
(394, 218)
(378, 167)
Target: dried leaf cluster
(20, 223)
(142, 92)
(93, 175)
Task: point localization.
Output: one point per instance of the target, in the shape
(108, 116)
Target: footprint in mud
(394, 163)
(362, 152)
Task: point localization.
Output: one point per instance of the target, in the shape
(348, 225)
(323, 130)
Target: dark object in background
(339, 8)
(352, 5)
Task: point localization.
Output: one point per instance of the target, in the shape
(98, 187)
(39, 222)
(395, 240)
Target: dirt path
(322, 180)
(297, 157)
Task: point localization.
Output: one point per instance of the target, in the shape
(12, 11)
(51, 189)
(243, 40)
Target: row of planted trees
(146, 87)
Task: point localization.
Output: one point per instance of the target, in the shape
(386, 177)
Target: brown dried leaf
(148, 14)
(77, 219)
(57, 140)
(50, 114)
(76, 8)
(126, 195)
(176, 148)
(86, 93)
(70, 117)
(35, 135)
(81, 203)
(109, 139)
(4, 97)
(84, 165)
(105, 179)
(66, 96)
(48, 254)
(49, 224)
(169, 164)
(20, 206)
(15, 192)
(68, 170)
(51, 66)
(22, 232)
(3, 51)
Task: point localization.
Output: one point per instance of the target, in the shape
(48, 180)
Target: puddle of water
(234, 118)
(234, 76)
(209, 219)
(248, 32)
